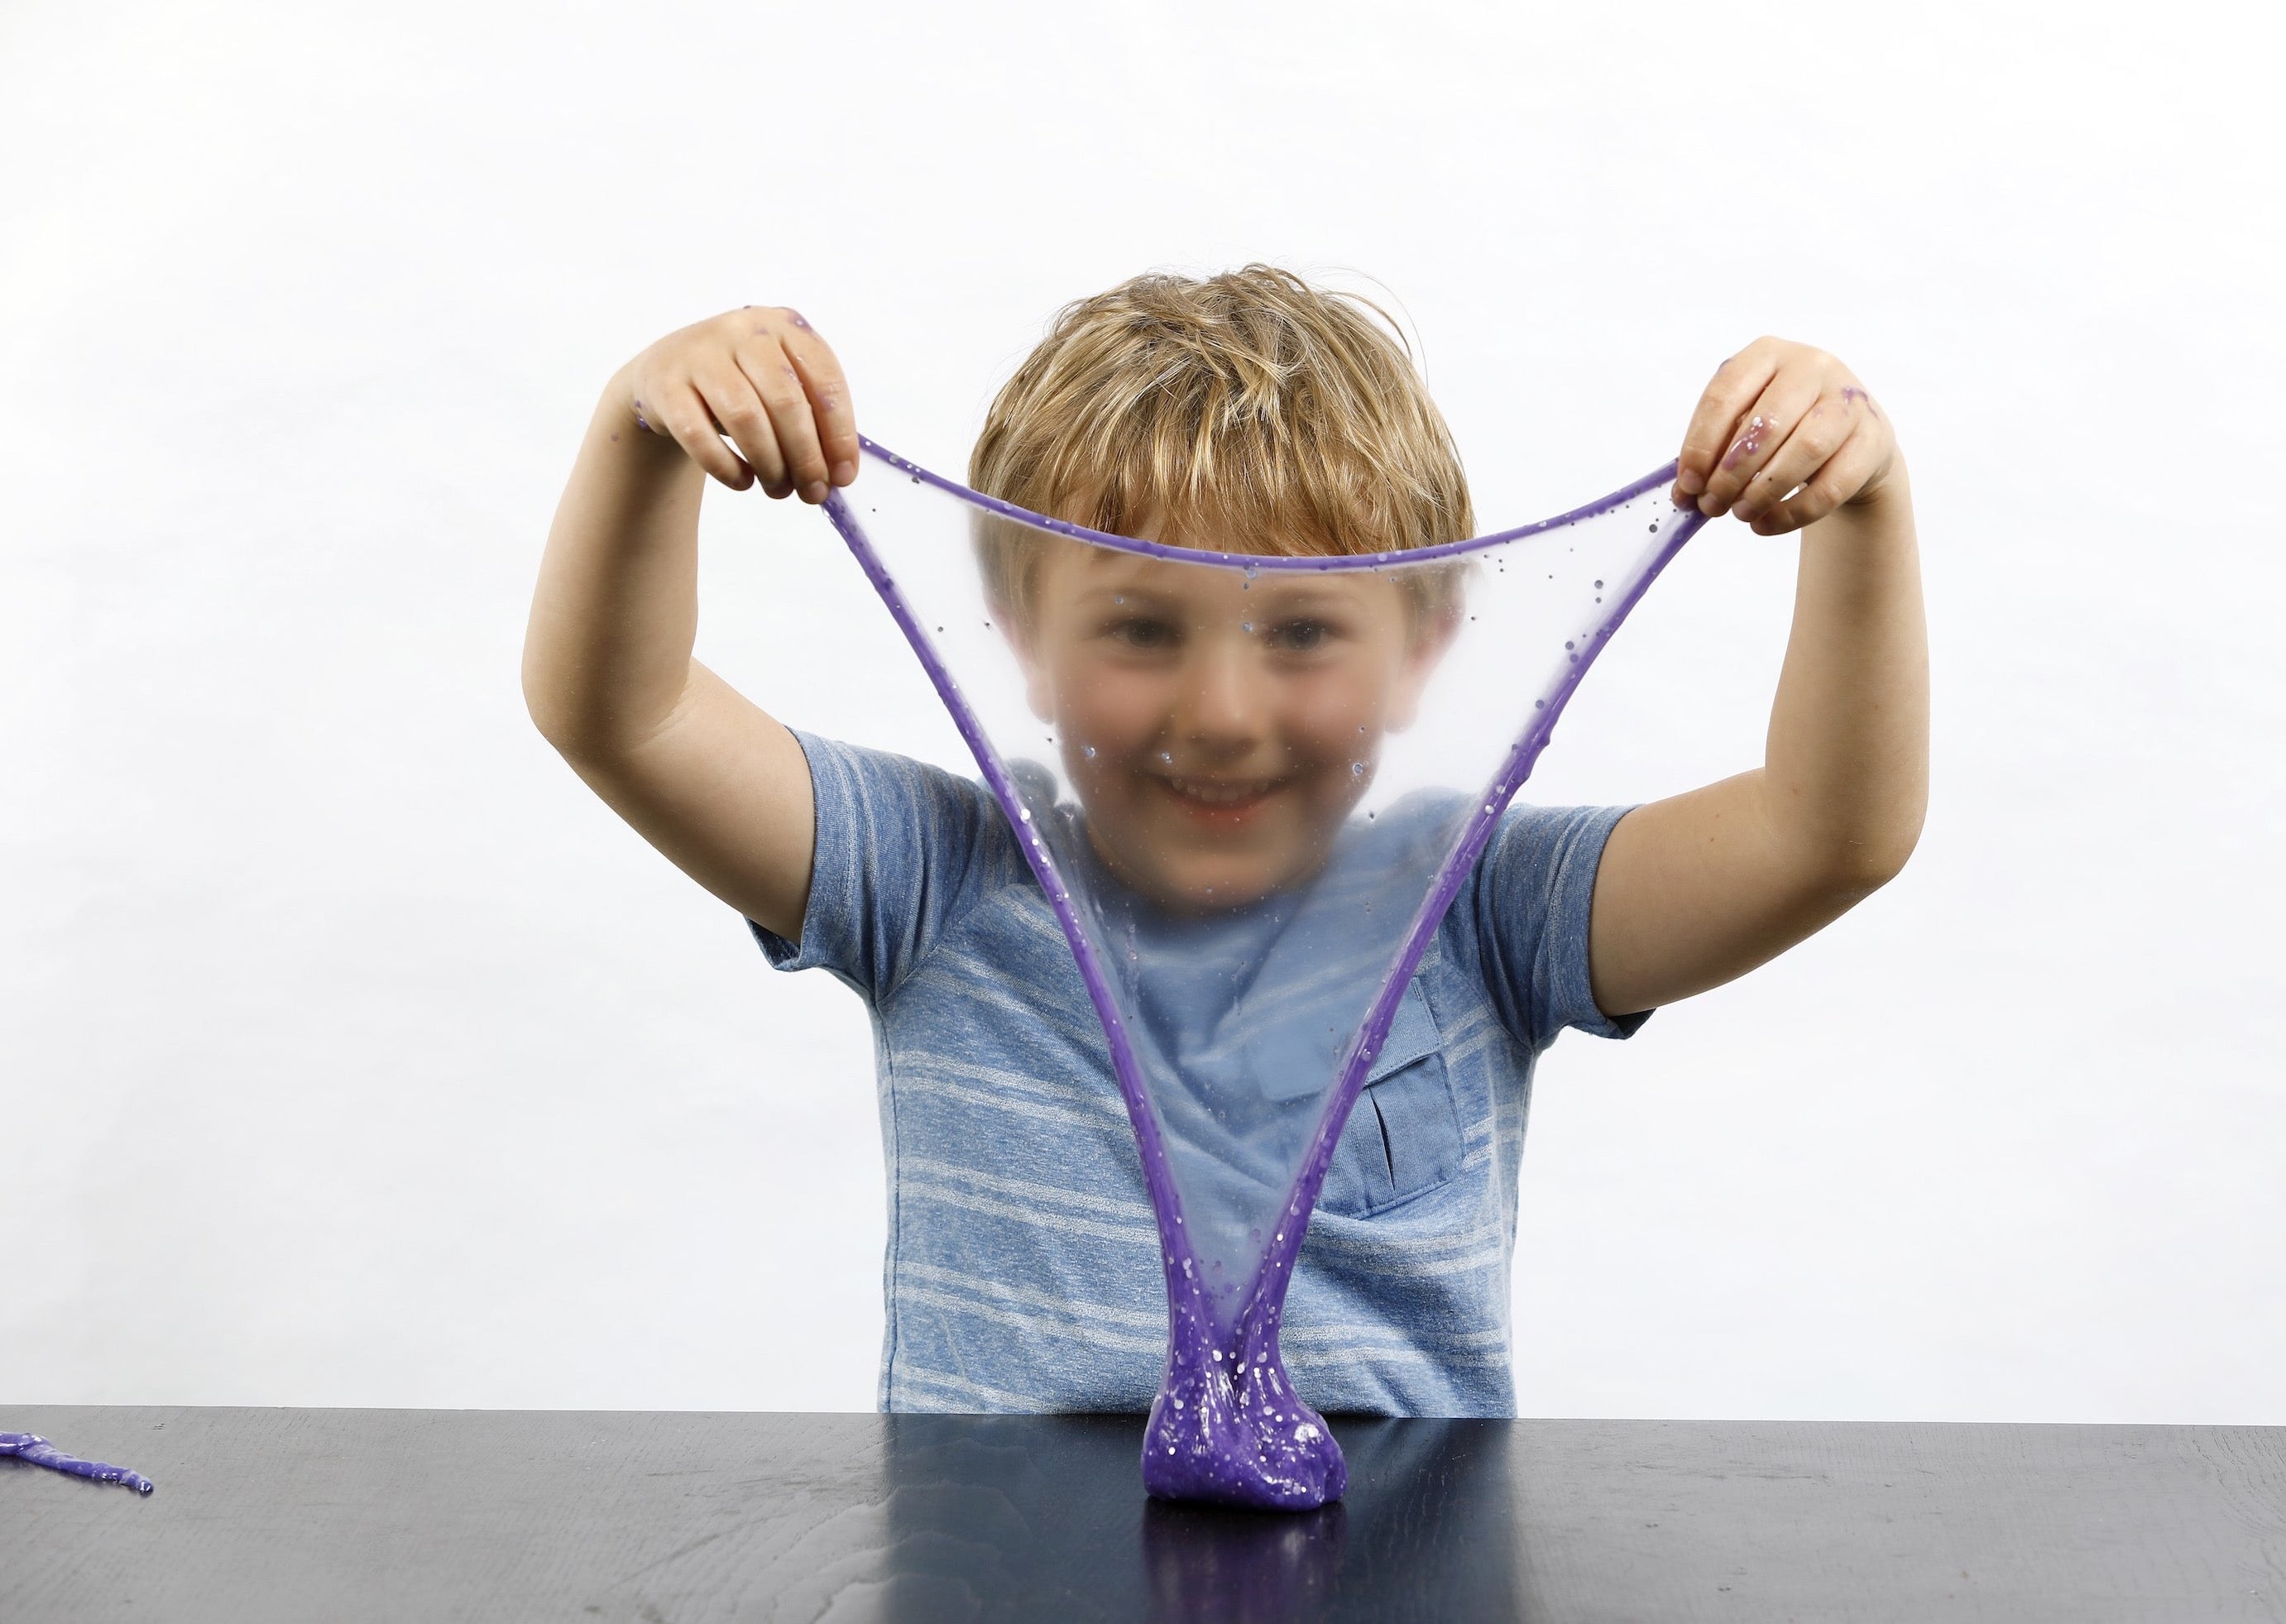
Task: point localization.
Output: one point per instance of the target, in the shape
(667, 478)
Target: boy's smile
(1223, 802)
(1217, 724)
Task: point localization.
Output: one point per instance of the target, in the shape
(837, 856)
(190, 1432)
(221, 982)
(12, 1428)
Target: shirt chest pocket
(1403, 1137)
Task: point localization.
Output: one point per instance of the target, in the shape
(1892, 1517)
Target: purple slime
(31, 1446)
(1227, 1427)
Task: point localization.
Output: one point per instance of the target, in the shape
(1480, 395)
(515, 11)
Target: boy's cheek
(1104, 710)
(1345, 707)
(1338, 741)
(1101, 745)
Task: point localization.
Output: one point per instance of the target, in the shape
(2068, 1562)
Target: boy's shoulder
(905, 853)
(889, 794)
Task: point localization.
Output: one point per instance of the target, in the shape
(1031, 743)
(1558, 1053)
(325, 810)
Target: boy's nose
(1222, 707)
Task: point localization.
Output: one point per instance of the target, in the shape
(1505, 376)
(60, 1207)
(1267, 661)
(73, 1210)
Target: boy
(1020, 1271)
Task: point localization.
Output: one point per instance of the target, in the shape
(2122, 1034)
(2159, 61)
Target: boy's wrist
(622, 426)
(1886, 493)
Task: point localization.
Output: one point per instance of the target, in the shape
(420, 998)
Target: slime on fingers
(1750, 442)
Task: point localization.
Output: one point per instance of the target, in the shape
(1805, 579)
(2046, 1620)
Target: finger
(1775, 413)
(739, 412)
(1836, 479)
(774, 379)
(829, 398)
(1736, 383)
(1822, 432)
(684, 416)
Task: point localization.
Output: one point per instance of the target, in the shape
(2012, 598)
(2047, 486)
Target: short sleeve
(901, 848)
(1534, 893)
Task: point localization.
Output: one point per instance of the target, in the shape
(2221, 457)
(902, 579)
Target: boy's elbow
(536, 704)
(541, 724)
(543, 702)
(1866, 866)
(550, 695)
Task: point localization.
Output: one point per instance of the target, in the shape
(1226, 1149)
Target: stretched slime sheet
(1251, 785)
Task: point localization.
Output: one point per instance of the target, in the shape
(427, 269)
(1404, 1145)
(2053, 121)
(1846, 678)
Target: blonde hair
(1247, 411)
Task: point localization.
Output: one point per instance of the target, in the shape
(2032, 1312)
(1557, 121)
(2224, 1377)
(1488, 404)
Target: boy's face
(1217, 729)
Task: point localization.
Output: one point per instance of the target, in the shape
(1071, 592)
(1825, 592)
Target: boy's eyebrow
(1273, 596)
(1126, 592)
(1306, 591)
(1319, 592)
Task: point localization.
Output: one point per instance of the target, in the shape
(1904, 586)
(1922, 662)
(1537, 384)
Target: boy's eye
(1299, 636)
(1137, 632)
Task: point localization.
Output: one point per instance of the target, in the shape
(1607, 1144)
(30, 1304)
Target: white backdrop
(351, 1052)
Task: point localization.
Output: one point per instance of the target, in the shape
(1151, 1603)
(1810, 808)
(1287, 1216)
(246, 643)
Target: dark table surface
(343, 1515)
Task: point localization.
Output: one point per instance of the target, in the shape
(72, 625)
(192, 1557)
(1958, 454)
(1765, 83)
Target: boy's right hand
(762, 376)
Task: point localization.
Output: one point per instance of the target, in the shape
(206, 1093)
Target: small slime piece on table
(31, 1446)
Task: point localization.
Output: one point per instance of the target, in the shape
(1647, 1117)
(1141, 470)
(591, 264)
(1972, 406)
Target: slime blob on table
(39, 1452)
(1251, 784)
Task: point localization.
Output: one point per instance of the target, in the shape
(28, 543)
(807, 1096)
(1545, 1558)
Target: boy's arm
(718, 786)
(1698, 889)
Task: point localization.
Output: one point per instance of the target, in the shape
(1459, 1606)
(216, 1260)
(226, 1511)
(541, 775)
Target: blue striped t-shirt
(1022, 1268)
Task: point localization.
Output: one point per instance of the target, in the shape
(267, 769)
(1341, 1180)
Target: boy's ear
(1426, 650)
(1017, 630)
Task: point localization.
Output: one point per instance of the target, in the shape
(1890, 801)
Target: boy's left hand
(1782, 418)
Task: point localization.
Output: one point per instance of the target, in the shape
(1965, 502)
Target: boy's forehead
(1078, 571)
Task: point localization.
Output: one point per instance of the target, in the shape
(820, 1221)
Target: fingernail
(1690, 483)
(814, 491)
(844, 472)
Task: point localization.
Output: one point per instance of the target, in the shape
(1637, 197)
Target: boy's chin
(1196, 882)
(1216, 889)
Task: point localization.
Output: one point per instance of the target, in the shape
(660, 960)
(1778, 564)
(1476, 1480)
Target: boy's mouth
(1221, 801)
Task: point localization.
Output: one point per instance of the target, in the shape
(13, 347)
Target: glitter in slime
(38, 1451)
(1246, 1016)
